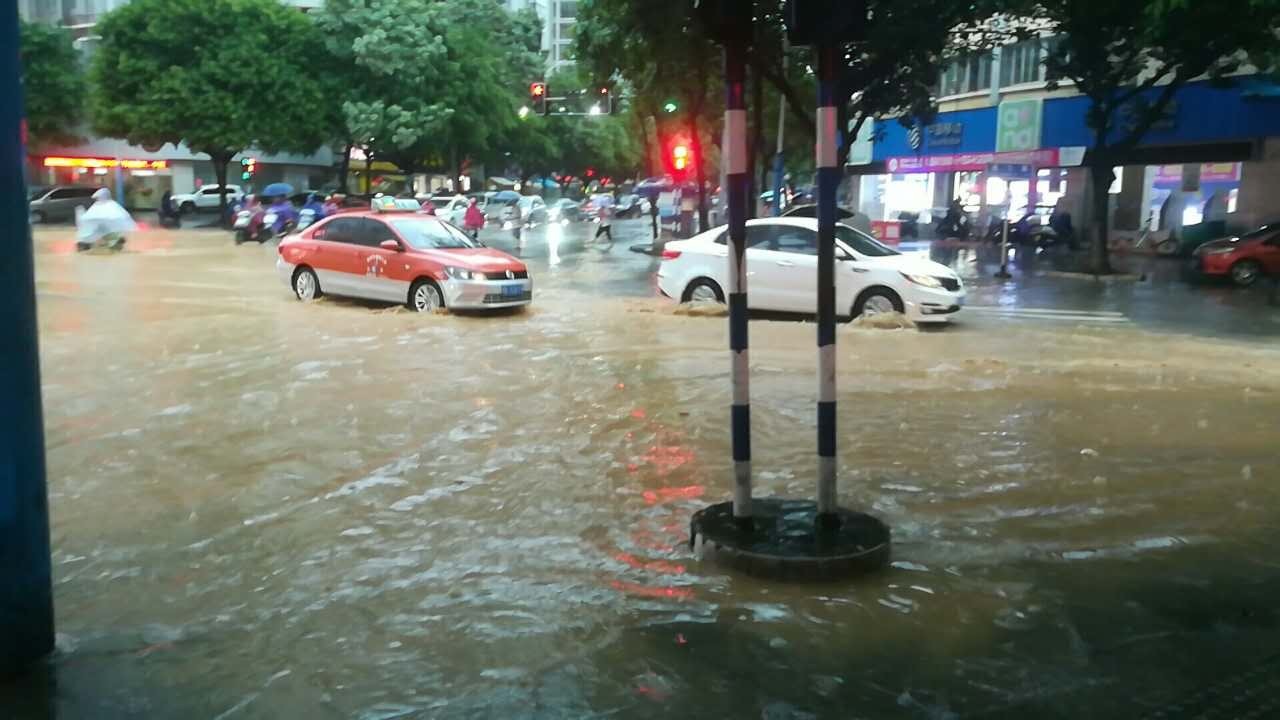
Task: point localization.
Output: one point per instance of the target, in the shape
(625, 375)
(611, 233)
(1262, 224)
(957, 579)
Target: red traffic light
(538, 89)
(680, 157)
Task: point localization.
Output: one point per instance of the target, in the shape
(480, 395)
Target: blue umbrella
(278, 189)
(506, 196)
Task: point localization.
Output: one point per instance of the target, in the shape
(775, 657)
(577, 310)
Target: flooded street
(269, 509)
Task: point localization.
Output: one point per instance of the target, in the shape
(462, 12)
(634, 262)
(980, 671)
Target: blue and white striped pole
(735, 160)
(26, 588)
(828, 180)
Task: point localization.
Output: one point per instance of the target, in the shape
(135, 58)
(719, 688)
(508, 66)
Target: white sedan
(782, 272)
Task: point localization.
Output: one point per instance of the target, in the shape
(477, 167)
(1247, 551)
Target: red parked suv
(1244, 259)
(396, 254)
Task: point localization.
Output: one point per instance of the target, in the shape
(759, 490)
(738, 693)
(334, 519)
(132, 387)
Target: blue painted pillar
(26, 588)
(828, 180)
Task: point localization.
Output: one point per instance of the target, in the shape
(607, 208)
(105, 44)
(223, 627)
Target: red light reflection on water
(658, 593)
(661, 566)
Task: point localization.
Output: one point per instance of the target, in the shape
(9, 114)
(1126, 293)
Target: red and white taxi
(394, 253)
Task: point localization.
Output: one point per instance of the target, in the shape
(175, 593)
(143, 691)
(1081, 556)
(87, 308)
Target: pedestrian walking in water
(605, 217)
(473, 219)
(517, 221)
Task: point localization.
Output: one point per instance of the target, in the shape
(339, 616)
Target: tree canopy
(1131, 58)
(220, 75)
(53, 83)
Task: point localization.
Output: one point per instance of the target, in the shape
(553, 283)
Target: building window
(568, 8)
(971, 73)
(1022, 62)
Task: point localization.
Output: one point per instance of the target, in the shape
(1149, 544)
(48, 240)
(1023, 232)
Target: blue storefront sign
(1201, 114)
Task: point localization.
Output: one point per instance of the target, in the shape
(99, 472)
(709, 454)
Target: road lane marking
(1099, 316)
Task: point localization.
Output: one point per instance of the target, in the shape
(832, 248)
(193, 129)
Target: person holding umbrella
(473, 219)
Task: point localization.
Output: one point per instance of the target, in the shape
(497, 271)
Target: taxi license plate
(512, 290)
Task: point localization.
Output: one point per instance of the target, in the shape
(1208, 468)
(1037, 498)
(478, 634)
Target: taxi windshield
(428, 234)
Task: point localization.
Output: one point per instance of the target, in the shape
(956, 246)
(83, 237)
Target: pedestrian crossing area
(1101, 317)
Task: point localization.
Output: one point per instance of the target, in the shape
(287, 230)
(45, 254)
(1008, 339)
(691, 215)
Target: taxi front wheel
(425, 296)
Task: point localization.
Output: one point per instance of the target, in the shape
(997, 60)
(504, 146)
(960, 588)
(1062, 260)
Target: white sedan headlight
(925, 280)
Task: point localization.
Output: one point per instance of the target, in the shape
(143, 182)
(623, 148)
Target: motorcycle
(1027, 231)
(275, 224)
(306, 218)
(953, 228)
(246, 225)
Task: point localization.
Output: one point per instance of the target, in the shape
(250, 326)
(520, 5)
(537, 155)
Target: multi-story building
(140, 175)
(558, 17)
(1004, 140)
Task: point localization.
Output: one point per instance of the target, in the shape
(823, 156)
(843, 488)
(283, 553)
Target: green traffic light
(670, 106)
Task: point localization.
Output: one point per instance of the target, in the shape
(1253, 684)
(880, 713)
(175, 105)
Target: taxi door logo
(374, 265)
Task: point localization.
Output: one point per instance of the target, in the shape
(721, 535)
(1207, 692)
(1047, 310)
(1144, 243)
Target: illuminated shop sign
(70, 162)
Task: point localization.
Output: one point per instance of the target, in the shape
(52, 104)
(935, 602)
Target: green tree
(53, 84)
(662, 50)
(1131, 58)
(220, 75)
(432, 83)
(387, 59)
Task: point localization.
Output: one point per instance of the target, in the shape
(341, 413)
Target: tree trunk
(756, 142)
(699, 168)
(1102, 175)
(644, 141)
(344, 168)
(220, 162)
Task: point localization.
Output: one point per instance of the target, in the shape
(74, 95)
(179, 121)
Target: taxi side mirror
(393, 245)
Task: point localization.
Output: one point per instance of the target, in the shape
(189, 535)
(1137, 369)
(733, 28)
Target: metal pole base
(785, 542)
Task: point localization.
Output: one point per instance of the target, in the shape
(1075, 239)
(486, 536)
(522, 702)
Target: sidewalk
(1151, 291)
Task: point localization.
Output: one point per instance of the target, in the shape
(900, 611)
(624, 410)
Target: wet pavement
(265, 509)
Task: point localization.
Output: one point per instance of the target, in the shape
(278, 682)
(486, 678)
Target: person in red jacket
(473, 219)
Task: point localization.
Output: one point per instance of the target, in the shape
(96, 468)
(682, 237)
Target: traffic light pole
(828, 180)
(735, 159)
(26, 589)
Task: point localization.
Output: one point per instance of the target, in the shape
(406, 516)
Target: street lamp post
(26, 590)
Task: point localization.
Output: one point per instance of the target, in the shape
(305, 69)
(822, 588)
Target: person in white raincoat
(105, 222)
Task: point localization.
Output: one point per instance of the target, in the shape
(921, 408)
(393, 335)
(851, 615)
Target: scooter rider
(314, 205)
(286, 215)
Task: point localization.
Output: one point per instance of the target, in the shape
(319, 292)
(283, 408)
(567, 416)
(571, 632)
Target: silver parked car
(59, 203)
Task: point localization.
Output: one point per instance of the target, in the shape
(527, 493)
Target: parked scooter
(953, 227)
(1026, 231)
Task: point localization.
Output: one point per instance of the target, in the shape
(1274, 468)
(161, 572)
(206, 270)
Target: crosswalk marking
(1088, 316)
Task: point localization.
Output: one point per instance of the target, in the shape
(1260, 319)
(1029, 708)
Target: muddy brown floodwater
(264, 509)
